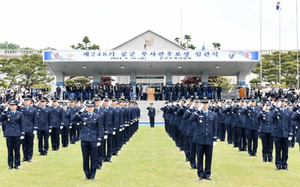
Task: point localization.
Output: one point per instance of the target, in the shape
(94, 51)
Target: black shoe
(87, 178)
(99, 167)
(285, 168)
(208, 178)
(200, 178)
(10, 167)
(187, 159)
(193, 168)
(24, 160)
(278, 168)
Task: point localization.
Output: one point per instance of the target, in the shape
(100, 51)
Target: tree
(7, 45)
(82, 80)
(28, 71)
(185, 44)
(217, 46)
(270, 68)
(255, 81)
(86, 45)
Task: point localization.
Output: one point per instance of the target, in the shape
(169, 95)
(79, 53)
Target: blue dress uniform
(116, 137)
(65, 126)
(151, 114)
(265, 130)
(55, 122)
(296, 118)
(240, 130)
(14, 130)
(229, 125)
(183, 128)
(103, 119)
(109, 131)
(205, 135)
(221, 122)
(251, 126)
(44, 127)
(30, 125)
(190, 134)
(73, 110)
(282, 130)
(91, 133)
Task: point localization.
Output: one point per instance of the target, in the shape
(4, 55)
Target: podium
(150, 93)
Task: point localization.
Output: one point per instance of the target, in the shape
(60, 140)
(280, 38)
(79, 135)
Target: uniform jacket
(14, 123)
(282, 123)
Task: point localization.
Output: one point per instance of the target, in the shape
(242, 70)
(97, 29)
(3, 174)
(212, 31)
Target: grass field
(149, 159)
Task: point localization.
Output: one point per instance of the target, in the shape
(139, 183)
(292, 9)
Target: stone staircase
(144, 112)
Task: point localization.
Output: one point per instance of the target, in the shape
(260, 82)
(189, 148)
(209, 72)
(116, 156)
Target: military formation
(102, 126)
(195, 125)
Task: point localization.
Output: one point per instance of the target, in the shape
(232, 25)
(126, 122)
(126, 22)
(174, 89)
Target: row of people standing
(244, 121)
(178, 91)
(118, 122)
(88, 92)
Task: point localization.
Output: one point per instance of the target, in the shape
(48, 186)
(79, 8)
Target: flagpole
(181, 27)
(279, 43)
(297, 44)
(260, 32)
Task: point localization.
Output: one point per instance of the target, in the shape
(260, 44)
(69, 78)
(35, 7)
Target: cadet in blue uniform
(191, 131)
(110, 130)
(55, 122)
(65, 125)
(44, 127)
(282, 132)
(103, 119)
(14, 132)
(265, 130)
(30, 128)
(251, 126)
(73, 126)
(296, 118)
(90, 137)
(205, 137)
(151, 114)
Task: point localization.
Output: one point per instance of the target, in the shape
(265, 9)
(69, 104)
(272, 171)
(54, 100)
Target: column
(96, 78)
(204, 77)
(133, 83)
(241, 78)
(169, 77)
(60, 82)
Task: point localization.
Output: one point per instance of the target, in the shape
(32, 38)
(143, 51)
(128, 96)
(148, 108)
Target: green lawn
(149, 159)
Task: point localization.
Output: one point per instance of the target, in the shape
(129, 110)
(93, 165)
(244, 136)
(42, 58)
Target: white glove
(114, 133)
(289, 138)
(105, 136)
(70, 127)
(296, 127)
(22, 137)
(82, 109)
(214, 143)
(61, 127)
(34, 132)
(6, 109)
(50, 130)
(120, 130)
(98, 144)
(78, 123)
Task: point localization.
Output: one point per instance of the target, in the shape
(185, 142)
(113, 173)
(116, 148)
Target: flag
(278, 6)
(203, 47)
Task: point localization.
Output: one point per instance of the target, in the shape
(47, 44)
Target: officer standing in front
(44, 127)
(55, 122)
(151, 114)
(90, 137)
(30, 128)
(205, 137)
(282, 133)
(14, 132)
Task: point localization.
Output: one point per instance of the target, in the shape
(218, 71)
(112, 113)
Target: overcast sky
(235, 24)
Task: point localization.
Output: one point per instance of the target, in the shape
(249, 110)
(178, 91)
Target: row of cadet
(102, 126)
(195, 125)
